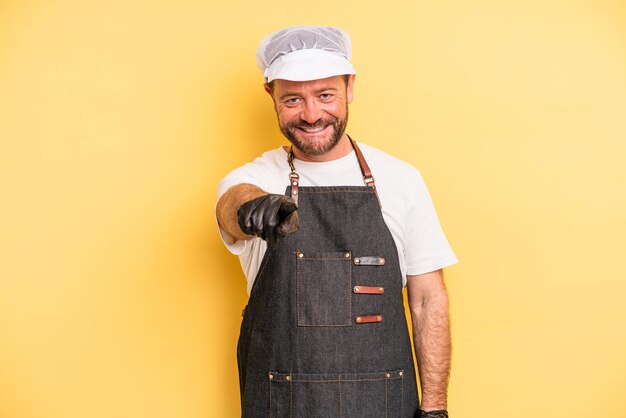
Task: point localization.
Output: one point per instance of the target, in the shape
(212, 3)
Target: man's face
(313, 114)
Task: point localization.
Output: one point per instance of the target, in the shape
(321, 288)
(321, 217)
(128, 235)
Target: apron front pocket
(358, 395)
(324, 289)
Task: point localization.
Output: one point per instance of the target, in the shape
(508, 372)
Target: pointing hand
(271, 217)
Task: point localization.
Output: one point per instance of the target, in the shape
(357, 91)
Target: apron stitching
(297, 292)
(374, 379)
(342, 191)
(290, 398)
(386, 402)
(269, 404)
(402, 395)
(323, 258)
(350, 294)
(340, 406)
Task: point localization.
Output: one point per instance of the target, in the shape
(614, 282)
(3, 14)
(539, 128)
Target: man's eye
(293, 100)
(325, 96)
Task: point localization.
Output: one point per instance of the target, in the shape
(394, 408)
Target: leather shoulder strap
(365, 169)
(368, 178)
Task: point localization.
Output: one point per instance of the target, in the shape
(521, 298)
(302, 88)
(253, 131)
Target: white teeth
(312, 130)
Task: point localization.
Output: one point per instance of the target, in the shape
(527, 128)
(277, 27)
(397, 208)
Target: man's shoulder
(267, 161)
(273, 157)
(385, 163)
(265, 171)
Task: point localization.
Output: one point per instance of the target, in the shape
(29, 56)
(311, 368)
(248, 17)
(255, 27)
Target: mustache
(320, 123)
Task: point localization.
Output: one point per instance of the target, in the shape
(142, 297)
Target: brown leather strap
(368, 178)
(369, 290)
(365, 169)
(369, 261)
(367, 319)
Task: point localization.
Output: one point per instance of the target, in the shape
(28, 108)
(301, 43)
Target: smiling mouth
(312, 130)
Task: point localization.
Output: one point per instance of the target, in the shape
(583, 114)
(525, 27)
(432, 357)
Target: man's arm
(229, 204)
(428, 302)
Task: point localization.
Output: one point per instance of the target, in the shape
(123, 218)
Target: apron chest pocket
(356, 395)
(324, 289)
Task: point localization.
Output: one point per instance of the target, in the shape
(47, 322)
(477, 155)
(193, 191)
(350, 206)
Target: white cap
(303, 53)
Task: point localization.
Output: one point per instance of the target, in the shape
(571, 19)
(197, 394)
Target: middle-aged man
(327, 250)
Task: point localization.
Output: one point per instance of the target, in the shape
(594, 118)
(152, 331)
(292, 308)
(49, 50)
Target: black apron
(324, 333)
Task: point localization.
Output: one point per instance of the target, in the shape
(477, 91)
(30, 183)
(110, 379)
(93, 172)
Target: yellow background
(118, 118)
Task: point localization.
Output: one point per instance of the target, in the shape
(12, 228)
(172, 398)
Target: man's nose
(311, 112)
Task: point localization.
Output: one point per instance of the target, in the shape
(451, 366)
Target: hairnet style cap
(303, 53)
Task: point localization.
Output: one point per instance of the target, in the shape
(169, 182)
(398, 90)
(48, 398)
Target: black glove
(442, 413)
(270, 217)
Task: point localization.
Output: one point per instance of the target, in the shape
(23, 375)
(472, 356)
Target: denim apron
(324, 333)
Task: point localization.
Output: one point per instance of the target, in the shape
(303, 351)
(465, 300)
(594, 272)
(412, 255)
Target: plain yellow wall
(118, 118)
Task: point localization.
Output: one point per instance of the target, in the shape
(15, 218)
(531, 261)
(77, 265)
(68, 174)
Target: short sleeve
(427, 248)
(250, 174)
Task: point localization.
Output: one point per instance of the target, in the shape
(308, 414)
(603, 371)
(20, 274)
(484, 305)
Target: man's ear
(267, 88)
(350, 88)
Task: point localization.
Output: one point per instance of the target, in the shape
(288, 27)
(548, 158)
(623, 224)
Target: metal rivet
(381, 261)
(294, 183)
(357, 260)
(380, 289)
(388, 375)
(271, 376)
(288, 378)
(300, 255)
(358, 319)
(347, 255)
(400, 373)
(379, 318)
(294, 192)
(356, 288)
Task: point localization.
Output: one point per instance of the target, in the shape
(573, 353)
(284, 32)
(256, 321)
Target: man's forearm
(230, 202)
(431, 335)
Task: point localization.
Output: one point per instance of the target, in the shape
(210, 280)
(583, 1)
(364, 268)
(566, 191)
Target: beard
(317, 147)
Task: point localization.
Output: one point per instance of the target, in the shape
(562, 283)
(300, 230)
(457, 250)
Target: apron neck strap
(368, 179)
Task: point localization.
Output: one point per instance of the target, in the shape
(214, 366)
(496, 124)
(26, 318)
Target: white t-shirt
(407, 207)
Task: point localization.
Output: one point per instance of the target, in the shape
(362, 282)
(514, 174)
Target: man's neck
(343, 148)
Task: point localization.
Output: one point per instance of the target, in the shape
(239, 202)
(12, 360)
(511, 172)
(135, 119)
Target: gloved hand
(270, 217)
